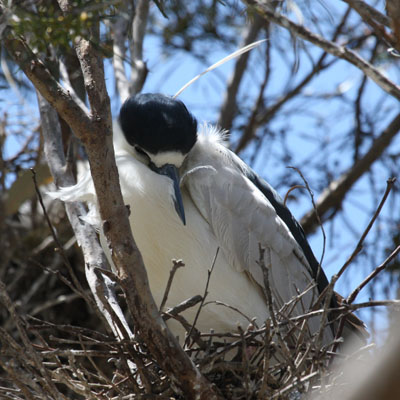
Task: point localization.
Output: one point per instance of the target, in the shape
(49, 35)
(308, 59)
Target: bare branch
(374, 19)
(209, 272)
(334, 194)
(359, 246)
(330, 47)
(85, 233)
(368, 12)
(261, 116)
(119, 31)
(373, 274)
(139, 68)
(393, 9)
(177, 264)
(42, 79)
(228, 107)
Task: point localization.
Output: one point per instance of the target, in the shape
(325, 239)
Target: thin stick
(389, 185)
(177, 264)
(191, 302)
(291, 190)
(372, 275)
(203, 299)
(58, 243)
(318, 219)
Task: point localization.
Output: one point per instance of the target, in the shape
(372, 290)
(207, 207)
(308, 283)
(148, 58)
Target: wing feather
(242, 218)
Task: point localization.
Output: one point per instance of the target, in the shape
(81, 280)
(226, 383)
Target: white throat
(167, 157)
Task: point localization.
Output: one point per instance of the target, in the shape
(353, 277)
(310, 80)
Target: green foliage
(46, 24)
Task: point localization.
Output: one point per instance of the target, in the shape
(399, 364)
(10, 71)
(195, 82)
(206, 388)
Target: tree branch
(228, 108)
(119, 33)
(139, 68)
(330, 47)
(85, 233)
(368, 12)
(393, 9)
(43, 80)
(374, 19)
(261, 116)
(334, 194)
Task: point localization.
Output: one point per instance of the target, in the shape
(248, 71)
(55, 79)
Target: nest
(280, 360)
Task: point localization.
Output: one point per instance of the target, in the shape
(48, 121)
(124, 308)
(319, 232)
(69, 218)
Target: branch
(261, 116)
(359, 246)
(119, 31)
(393, 9)
(374, 19)
(136, 19)
(44, 81)
(330, 47)
(139, 68)
(228, 108)
(372, 275)
(367, 12)
(333, 195)
(251, 126)
(85, 233)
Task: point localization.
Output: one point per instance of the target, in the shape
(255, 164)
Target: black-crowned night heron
(190, 196)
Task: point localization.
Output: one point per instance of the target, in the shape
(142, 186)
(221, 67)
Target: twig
(228, 107)
(60, 247)
(264, 390)
(371, 303)
(245, 363)
(267, 287)
(252, 123)
(270, 304)
(220, 303)
(182, 306)
(290, 191)
(318, 219)
(264, 116)
(119, 31)
(33, 355)
(209, 272)
(177, 264)
(389, 185)
(372, 275)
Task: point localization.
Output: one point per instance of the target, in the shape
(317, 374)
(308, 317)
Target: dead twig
(176, 264)
(209, 272)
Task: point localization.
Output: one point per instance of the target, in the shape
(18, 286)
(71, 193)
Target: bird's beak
(172, 172)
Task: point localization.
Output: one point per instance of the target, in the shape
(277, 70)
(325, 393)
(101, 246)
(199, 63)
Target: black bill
(172, 172)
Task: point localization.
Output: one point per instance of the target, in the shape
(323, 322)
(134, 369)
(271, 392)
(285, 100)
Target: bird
(191, 198)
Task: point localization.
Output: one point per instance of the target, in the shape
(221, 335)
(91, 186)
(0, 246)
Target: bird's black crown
(158, 123)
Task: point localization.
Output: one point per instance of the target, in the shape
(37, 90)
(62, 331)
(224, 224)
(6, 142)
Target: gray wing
(244, 212)
(295, 228)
